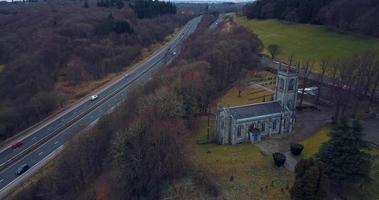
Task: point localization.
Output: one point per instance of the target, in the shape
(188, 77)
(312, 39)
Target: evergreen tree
(311, 183)
(344, 155)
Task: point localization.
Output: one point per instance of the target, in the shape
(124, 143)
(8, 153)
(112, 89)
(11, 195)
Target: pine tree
(311, 183)
(344, 155)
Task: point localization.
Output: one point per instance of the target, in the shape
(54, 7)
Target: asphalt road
(43, 141)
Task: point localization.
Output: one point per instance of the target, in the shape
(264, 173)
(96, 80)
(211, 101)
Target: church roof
(255, 110)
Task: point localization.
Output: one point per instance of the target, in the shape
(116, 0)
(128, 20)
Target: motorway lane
(8, 175)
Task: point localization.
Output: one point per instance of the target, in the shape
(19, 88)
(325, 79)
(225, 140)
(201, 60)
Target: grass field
(312, 144)
(308, 42)
(254, 174)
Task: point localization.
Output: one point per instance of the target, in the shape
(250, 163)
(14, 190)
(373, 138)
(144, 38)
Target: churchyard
(241, 171)
(247, 171)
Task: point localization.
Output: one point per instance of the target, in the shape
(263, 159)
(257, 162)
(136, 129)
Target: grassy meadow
(308, 42)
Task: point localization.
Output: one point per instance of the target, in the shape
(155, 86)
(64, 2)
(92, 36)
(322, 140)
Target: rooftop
(254, 110)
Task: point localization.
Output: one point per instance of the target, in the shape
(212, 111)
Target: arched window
(274, 124)
(291, 85)
(263, 126)
(281, 84)
(290, 105)
(239, 131)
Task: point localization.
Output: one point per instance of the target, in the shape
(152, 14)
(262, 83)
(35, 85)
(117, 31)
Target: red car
(17, 145)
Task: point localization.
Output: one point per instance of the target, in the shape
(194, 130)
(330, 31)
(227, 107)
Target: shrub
(279, 158)
(296, 149)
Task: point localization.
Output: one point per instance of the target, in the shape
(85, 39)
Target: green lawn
(312, 144)
(308, 42)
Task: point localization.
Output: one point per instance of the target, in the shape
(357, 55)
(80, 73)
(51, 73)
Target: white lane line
(1, 180)
(33, 138)
(40, 153)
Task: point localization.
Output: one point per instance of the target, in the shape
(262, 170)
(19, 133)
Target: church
(251, 123)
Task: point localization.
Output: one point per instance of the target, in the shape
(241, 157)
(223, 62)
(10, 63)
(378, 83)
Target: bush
(296, 149)
(279, 158)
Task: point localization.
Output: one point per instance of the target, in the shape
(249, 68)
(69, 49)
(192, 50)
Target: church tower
(286, 88)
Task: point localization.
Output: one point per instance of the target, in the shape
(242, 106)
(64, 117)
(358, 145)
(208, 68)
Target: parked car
(94, 97)
(23, 168)
(17, 145)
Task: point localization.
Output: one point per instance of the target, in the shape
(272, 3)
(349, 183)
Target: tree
(305, 71)
(324, 66)
(344, 155)
(274, 50)
(279, 159)
(311, 183)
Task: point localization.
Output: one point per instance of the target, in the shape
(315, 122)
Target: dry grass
(249, 95)
(251, 169)
(1, 68)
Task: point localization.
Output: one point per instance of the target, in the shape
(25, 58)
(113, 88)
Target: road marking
(33, 138)
(56, 142)
(40, 153)
(1, 180)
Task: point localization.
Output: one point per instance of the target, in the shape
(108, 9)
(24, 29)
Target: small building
(256, 121)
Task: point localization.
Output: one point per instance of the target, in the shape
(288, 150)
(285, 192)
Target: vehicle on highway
(126, 75)
(94, 97)
(174, 53)
(17, 145)
(23, 168)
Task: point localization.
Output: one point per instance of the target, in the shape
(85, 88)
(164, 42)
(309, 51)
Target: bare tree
(305, 71)
(324, 66)
(274, 50)
(343, 88)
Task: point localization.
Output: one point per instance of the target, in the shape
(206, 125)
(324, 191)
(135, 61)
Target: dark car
(17, 145)
(23, 168)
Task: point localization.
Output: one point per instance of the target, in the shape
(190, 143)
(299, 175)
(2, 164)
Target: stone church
(256, 121)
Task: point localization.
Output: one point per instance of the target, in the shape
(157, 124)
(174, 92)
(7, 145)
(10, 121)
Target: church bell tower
(286, 87)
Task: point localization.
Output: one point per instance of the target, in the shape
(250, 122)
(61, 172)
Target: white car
(174, 53)
(94, 97)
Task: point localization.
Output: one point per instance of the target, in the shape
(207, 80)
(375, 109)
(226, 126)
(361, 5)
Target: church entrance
(254, 134)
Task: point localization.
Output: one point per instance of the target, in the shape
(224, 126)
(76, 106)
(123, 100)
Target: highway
(50, 136)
